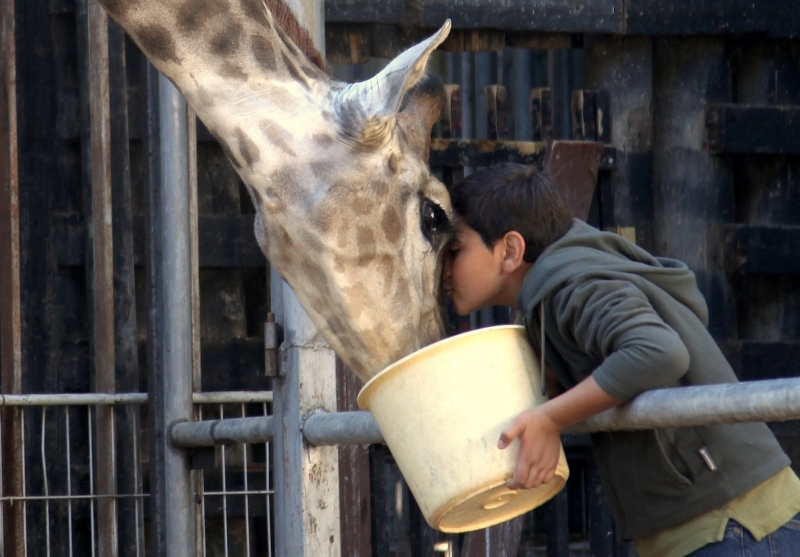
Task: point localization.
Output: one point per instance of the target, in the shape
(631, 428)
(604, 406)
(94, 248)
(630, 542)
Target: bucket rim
(366, 391)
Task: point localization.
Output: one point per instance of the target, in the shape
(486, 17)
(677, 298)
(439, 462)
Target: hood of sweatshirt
(585, 253)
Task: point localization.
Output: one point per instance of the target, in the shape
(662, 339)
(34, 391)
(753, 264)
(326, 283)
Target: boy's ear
(514, 245)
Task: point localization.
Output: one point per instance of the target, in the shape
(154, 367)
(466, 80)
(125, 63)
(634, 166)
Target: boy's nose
(448, 265)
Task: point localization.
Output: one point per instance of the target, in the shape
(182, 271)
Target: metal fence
(66, 513)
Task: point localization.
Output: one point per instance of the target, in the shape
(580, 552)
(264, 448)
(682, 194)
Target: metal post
(170, 330)
(306, 478)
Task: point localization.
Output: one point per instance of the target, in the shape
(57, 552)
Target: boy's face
(472, 275)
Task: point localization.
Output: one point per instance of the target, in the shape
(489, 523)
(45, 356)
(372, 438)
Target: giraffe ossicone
(348, 211)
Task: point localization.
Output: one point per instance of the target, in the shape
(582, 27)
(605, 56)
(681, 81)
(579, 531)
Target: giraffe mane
(287, 21)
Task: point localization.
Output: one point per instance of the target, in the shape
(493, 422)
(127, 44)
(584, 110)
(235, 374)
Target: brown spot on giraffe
(386, 266)
(365, 239)
(279, 136)
(232, 71)
(323, 139)
(193, 15)
(158, 42)
(227, 41)
(322, 169)
(263, 52)
(363, 205)
(391, 225)
(393, 163)
(247, 147)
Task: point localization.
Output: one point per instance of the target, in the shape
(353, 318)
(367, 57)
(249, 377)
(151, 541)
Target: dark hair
(513, 197)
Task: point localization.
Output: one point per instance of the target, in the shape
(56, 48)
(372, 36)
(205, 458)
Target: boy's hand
(539, 431)
(539, 451)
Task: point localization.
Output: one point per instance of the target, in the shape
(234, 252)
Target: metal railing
(62, 504)
(753, 401)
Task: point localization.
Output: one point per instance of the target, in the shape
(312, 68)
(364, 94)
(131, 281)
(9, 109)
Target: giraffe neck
(214, 49)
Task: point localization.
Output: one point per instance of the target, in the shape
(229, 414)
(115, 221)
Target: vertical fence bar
(46, 485)
(194, 243)
(170, 327)
(267, 457)
(10, 302)
(69, 480)
(246, 496)
(103, 324)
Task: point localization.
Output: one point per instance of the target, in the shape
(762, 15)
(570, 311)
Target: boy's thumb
(511, 432)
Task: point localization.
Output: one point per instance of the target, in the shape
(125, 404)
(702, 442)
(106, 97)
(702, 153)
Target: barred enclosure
(72, 504)
(695, 104)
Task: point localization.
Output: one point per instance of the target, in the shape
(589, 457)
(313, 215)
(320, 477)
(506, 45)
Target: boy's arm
(539, 431)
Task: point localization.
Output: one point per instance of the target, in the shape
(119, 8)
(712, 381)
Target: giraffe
(347, 210)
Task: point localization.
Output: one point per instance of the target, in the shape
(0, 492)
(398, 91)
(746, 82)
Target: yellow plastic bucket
(441, 411)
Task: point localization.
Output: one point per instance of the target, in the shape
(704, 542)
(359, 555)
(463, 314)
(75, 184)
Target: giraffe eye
(434, 219)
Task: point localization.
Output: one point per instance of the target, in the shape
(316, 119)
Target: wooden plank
(736, 128)
(541, 105)
(584, 120)
(10, 286)
(483, 152)
(129, 469)
(224, 241)
(621, 70)
(348, 43)
(354, 488)
(502, 540)
(693, 190)
(774, 18)
(497, 112)
(100, 262)
(762, 249)
(357, 11)
(601, 16)
(754, 361)
(474, 41)
(778, 18)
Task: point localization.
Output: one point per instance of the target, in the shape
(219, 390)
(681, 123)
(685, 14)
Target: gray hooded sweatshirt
(637, 322)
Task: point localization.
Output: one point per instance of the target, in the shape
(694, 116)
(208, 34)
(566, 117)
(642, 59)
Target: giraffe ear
(367, 104)
(422, 109)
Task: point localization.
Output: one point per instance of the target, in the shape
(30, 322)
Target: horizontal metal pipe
(73, 399)
(232, 397)
(222, 432)
(341, 428)
(753, 401)
(771, 400)
(92, 399)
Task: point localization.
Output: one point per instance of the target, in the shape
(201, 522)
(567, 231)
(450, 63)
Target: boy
(619, 321)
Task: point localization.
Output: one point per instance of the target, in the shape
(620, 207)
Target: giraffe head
(354, 220)
(347, 209)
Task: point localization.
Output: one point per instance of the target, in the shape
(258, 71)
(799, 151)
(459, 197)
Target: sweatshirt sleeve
(613, 322)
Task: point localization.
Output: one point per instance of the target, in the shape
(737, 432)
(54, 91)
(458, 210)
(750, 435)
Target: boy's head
(506, 216)
(513, 197)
